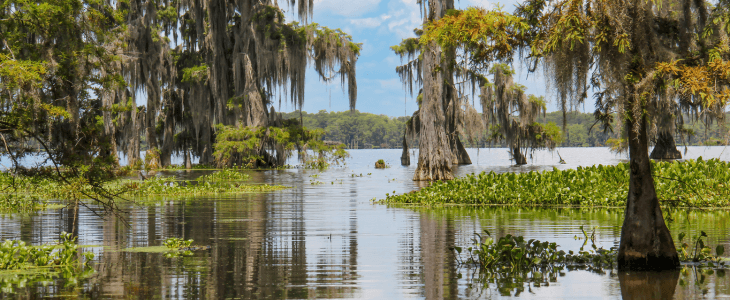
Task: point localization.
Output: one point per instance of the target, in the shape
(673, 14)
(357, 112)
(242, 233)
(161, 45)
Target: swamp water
(323, 238)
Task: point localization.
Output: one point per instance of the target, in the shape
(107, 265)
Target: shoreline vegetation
(689, 184)
(32, 193)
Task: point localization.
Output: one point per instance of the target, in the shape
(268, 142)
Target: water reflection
(648, 285)
(329, 241)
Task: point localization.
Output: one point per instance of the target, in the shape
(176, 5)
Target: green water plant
(698, 252)
(513, 253)
(22, 264)
(177, 243)
(160, 186)
(225, 175)
(692, 183)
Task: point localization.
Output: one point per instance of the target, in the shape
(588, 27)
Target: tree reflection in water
(648, 285)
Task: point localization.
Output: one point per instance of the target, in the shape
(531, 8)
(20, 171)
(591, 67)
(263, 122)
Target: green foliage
(700, 252)
(159, 186)
(693, 183)
(487, 36)
(246, 146)
(355, 129)
(242, 145)
(29, 193)
(513, 253)
(57, 61)
(21, 264)
(195, 74)
(225, 175)
(177, 243)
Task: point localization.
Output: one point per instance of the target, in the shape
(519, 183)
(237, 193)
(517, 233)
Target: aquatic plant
(700, 252)
(380, 164)
(27, 194)
(693, 183)
(513, 253)
(161, 186)
(177, 243)
(21, 264)
(225, 175)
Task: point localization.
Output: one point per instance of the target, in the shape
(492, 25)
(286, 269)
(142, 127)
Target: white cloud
(347, 8)
(370, 22)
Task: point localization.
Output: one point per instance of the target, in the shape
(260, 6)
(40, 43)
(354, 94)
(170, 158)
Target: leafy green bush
(693, 183)
(255, 147)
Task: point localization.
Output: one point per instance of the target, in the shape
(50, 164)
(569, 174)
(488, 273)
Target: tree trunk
(205, 146)
(453, 108)
(518, 156)
(646, 243)
(434, 157)
(405, 158)
(168, 138)
(458, 150)
(665, 147)
(188, 162)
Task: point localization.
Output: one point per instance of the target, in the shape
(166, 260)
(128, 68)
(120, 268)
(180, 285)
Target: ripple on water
(329, 241)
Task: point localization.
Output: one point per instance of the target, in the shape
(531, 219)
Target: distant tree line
(358, 130)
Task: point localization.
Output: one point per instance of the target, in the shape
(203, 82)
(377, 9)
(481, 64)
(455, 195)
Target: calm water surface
(323, 238)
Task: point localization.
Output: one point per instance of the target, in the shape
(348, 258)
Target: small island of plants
(692, 183)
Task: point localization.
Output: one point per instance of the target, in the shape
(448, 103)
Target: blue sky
(379, 24)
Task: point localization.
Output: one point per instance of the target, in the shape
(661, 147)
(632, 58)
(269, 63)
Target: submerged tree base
(665, 148)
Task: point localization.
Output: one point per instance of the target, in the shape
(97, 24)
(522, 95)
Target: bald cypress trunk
(451, 105)
(665, 147)
(167, 138)
(405, 158)
(646, 243)
(434, 157)
(518, 156)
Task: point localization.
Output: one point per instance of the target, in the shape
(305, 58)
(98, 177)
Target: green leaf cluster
(21, 264)
(693, 183)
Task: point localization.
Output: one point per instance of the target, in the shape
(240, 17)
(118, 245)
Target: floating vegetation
(511, 261)
(225, 175)
(513, 254)
(160, 186)
(171, 247)
(701, 253)
(693, 183)
(29, 193)
(14, 203)
(22, 264)
(380, 164)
